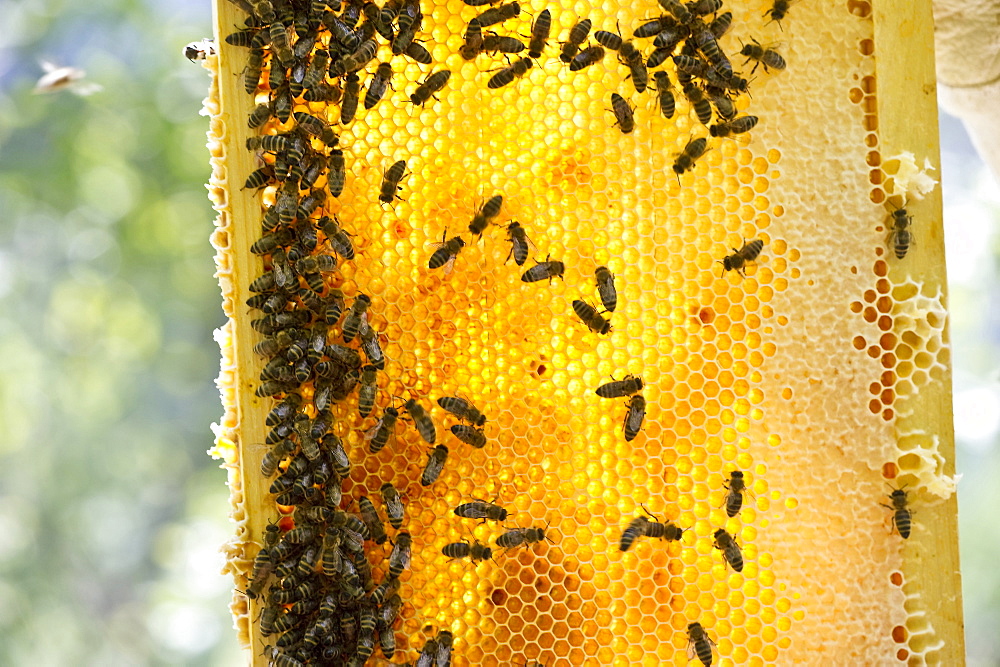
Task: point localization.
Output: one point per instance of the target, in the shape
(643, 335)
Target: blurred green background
(111, 514)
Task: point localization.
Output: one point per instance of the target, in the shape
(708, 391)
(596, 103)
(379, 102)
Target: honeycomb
(810, 374)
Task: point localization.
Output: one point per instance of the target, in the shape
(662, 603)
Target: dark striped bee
(417, 52)
(379, 83)
(680, 12)
(577, 35)
(481, 509)
(446, 253)
(279, 44)
(704, 7)
(734, 493)
(631, 57)
(765, 56)
(371, 346)
(619, 388)
(699, 644)
(489, 210)
(368, 390)
(378, 436)
(311, 124)
(470, 435)
(338, 456)
(493, 44)
(664, 93)
(495, 15)
(609, 40)
(726, 543)
(463, 409)
(432, 84)
(901, 514)
(243, 37)
(352, 93)
(624, 113)
(549, 269)
(739, 258)
(390, 182)
(371, 518)
(634, 417)
(272, 143)
(435, 464)
(540, 34)
(477, 551)
(263, 564)
(339, 240)
(724, 105)
(518, 243)
(428, 654)
(393, 505)
(508, 74)
(356, 316)
(518, 536)
(385, 591)
(692, 151)
(422, 420)
(900, 237)
(720, 25)
(284, 410)
(587, 57)
(443, 654)
(635, 529)
(606, 288)
(399, 558)
(251, 75)
(665, 531)
(702, 107)
(709, 47)
(591, 317)
(473, 44)
(259, 115)
(735, 126)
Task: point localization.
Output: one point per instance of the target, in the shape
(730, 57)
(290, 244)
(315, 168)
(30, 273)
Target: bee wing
(450, 264)
(370, 433)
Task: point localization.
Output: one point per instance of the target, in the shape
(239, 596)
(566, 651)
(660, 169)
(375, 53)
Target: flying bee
(380, 81)
(734, 493)
(339, 240)
(586, 57)
(664, 93)
(692, 151)
(393, 505)
(367, 390)
(507, 75)
(378, 436)
(352, 93)
(901, 514)
(620, 388)
(624, 113)
(371, 518)
(435, 464)
(390, 182)
(635, 529)
(399, 558)
(606, 288)
(352, 322)
(518, 536)
(699, 644)
(634, 417)
(549, 269)
(540, 34)
(761, 55)
(470, 435)
(726, 543)
(577, 35)
(481, 509)
(274, 456)
(518, 243)
(495, 15)
(591, 317)
(446, 253)
(489, 210)
(432, 84)
(739, 258)
(778, 10)
(900, 237)
(477, 551)
(422, 420)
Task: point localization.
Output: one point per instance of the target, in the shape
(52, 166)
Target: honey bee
(259, 115)
(339, 240)
(390, 182)
(901, 514)
(680, 12)
(664, 93)
(393, 505)
(540, 34)
(734, 493)
(269, 242)
(518, 536)
(332, 445)
(378, 436)
(371, 518)
(624, 113)
(518, 243)
(399, 558)
(428, 654)
(309, 123)
(279, 43)
(368, 390)
(609, 40)
(495, 15)
(251, 75)
(720, 25)
(736, 126)
(357, 313)
(373, 349)
(473, 44)
(726, 543)
(587, 57)
(244, 37)
(549, 269)
(778, 10)
(263, 564)
(577, 35)
(704, 7)
(463, 409)
(702, 107)
(591, 317)
(620, 388)
(271, 143)
(508, 74)
(352, 93)
(443, 654)
(284, 410)
(900, 237)
(481, 509)
(435, 464)
(632, 58)
(724, 106)
(761, 55)
(635, 529)
(699, 644)
(470, 435)
(634, 417)
(417, 52)
(446, 253)
(665, 531)
(739, 258)
(694, 150)
(380, 81)
(432, 84)
(385, 591)
(422, 420)
(477, 551)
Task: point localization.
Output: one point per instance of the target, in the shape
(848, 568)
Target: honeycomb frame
(917, 616)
